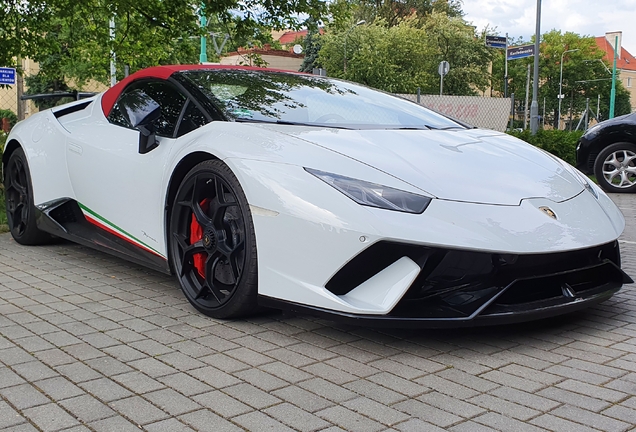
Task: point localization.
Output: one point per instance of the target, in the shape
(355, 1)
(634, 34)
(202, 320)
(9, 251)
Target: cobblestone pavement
(89, 342)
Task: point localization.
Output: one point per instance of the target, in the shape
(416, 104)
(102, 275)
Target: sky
(585, 17)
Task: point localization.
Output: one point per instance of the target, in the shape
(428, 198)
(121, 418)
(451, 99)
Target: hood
(460, 165)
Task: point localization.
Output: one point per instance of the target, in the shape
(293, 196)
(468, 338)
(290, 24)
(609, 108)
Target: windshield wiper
(290, 123)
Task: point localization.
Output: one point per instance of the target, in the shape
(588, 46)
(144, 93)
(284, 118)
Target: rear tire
(615, 168)
(21, 213)
(212, 242)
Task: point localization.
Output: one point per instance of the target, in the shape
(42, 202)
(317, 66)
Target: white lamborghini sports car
(264, 188)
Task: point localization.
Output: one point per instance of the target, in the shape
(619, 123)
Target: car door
(119, 189)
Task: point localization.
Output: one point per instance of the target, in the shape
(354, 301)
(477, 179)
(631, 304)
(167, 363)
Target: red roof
(626, 61)
(160, 72)
(292, 36)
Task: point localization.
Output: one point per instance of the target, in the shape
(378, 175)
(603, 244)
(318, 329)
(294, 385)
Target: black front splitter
(386, 321)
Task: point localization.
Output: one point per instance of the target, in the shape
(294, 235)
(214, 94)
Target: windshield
(255, 96)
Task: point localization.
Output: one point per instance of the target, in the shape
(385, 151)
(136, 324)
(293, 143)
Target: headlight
(374, 195)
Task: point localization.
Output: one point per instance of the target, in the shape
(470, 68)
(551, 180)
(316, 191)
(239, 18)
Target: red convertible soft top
(162, 72)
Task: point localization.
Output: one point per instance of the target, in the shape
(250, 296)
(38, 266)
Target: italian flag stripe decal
(110, 227)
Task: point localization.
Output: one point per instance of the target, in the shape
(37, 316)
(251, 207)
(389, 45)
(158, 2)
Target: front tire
(212, 242)
(19, 202)
(615, 168)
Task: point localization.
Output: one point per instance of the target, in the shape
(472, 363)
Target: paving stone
(59, 388)
(427, 413)
(588, 389)
(296, 418)
(152, 367)
(108, 366)
(14, 356)
(172, 402)
(50, 417)
(444, 386)
(78, 372)
(222, 404)
(138, 410)
(185, 384)
(261, 379)
(502, 423)
(8, 416)
(302, 398)
(105, 389)
(530, 400)
(251, 395)
(87, 408)
(285, 372)
(376, 411)
(180, 361)
(550, 422)
(466, 409)
(207, 421)
(169, 425)
(138, 383)
(327, 390)
(8, 378)
(597, 421)
(329, 373)
(24, 396)
(258, 422)
(628, 415)
(349, 420)
(214, 377)
(471, 426)
(112, 424)
(509, 409)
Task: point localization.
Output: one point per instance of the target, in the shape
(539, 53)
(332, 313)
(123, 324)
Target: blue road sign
(496, 41)
(7, 76)
(520, 52)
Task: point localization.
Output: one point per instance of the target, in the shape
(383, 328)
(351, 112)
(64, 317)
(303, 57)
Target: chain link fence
(483, 112)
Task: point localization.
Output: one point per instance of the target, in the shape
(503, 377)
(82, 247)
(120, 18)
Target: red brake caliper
(196, 234)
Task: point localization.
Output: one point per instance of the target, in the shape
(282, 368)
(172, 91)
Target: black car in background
(608, 150)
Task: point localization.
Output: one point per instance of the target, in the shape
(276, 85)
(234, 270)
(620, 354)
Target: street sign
(520, 52)
(7, 76)
(443, 68)
(496, 41)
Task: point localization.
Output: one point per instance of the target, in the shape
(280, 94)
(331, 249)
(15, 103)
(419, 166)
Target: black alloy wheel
(19, 201)
(212, 242)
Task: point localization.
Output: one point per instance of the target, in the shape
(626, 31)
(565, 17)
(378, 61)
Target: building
(273, 58)
(625, 63)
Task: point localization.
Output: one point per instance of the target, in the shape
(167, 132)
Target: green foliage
(403, 57)
(585, 75)
(560, 143)
(311, 47)
(13, 119)
(394, 11)
(72, 41)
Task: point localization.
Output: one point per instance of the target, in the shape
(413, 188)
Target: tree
(585, 75)
(406, 56)
(148, 32)
(393, 11)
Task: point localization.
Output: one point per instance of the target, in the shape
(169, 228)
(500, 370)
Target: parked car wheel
(213, 246)
(615, 168)
(19, 202)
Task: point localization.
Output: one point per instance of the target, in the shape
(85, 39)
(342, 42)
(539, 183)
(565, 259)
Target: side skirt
(64, 218)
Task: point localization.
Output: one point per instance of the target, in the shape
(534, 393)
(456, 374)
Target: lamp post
(345, 41)
(561, 86)
(534, 107)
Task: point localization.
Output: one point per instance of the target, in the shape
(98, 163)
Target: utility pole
(113, 58)
(19, 81)
(613, 93)
(203, 54)
(534, 109)
(525, 110)
(506, 69)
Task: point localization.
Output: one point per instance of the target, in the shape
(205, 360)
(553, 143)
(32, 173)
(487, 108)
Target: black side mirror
(141, 111)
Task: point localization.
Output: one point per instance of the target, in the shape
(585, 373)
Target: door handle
(75, 148)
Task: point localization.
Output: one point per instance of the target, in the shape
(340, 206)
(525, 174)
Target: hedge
(8, 114)
(560, 143)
